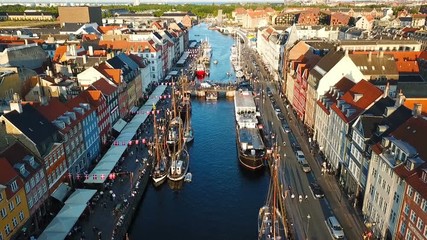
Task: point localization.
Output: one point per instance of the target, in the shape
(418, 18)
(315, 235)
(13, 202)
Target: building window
(406, 209)
(1, 236)
(11, 206)
(18, 200)
(21, 215)
(413, 216)
(1, 197)
(420, 224)
(3, 212)
(402, 228)
(417, 198)
(424, 205)
(410, 191)
(14, 186)
(7, 229)
(15, 222)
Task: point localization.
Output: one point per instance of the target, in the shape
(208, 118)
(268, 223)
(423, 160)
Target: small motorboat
(215, 62)
(188, 177)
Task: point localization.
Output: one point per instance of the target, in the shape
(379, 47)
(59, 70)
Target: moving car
(317, 190)
(335, 227)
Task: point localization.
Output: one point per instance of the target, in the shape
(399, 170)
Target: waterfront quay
(111, 210)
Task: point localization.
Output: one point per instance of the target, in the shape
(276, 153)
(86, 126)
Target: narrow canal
(223, 200)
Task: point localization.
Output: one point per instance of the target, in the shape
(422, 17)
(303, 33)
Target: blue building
(90, 128)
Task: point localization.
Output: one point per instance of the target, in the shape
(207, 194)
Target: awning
(61, 192)
(174, 73)
(65, 220)
(100, 173)
(119, 125)
(134, 109)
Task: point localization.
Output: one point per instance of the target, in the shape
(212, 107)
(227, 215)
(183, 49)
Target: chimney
(370, 57)
(346, 52)
(84, 59)
(26, 41)
(418, 107)
(400, 99)
(381, 54)
(386, 90)
(90, 51)
(15, 104)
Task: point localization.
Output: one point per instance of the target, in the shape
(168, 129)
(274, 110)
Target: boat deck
(252, 137)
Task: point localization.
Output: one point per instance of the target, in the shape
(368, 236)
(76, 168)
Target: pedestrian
(104, 204)
(99, 235)
(94, 229)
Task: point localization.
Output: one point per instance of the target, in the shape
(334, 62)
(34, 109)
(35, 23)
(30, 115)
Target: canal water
(223, 199)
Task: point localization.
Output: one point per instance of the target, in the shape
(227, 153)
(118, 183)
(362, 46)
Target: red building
(300, 83)
(116, 76)
(413, 216)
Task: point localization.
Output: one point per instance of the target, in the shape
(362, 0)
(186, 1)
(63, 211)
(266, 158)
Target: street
(308, 216)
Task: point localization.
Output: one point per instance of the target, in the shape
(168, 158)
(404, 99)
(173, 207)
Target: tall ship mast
(250, 146)
(180, 161)
(173, 138)
(271, 217)
(161, 161)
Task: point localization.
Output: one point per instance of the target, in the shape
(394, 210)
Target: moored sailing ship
(250, 146)
(271, 221)
(161, 161)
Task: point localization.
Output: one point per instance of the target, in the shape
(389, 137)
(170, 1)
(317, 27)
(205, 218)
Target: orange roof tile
(240, 11)
(112, 73)
(127, 46)
(105, 29)
(406, 61)
(89, 37)
(409, 103)
(59, 52)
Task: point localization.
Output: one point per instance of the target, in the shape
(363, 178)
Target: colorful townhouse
(13, 202)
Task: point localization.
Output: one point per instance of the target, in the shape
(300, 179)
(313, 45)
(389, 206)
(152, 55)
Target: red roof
(8, 172)
(342, 85)
(104, 86)
(413, 131)
(368, 93)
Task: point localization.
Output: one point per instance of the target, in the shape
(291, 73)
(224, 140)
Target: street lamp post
(308, 224)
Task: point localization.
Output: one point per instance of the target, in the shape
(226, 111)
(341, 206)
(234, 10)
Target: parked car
(305, 167)
(317, 190)
(303, 162)
(300, 156)
(335, 227)
(286, 128)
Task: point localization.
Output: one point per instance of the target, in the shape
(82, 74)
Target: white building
(270, 43)
(317, 32)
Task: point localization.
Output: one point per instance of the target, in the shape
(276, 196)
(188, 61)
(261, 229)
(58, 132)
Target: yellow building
(14, 211)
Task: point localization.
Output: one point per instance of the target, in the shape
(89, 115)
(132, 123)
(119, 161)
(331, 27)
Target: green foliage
(21, 8)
